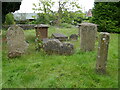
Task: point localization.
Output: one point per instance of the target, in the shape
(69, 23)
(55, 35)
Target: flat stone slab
(87, 24)
(59, 36)
(42, 25)
(47, 39)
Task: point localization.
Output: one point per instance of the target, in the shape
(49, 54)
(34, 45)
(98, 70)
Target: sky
(27, 5)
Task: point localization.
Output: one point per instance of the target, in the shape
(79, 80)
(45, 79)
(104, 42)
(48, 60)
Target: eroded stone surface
(74, 37)
(67, 49)
(88, 32)
(102, 52)
(57, 47)
(52, 46)
(16, 41)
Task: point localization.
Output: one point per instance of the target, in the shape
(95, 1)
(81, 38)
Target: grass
(39, 70)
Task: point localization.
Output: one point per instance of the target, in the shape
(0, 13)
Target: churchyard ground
(38, 70)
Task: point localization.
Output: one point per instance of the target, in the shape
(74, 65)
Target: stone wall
(23, 26)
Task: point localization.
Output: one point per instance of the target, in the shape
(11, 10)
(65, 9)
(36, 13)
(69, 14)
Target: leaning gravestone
(102, 52)
(16, 41)
(54, 46)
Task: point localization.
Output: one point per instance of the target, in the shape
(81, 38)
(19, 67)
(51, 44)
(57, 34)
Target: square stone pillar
(41, 31)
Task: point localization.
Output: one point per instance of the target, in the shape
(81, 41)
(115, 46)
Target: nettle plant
(38, 44)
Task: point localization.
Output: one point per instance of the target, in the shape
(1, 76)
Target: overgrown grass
(39, 70)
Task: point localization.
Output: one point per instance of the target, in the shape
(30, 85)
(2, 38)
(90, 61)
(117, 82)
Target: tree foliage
(9, 19)
(9, 7)
(44, 7)
(68, 11)
(106, 15)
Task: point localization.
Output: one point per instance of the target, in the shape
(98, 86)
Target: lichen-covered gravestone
(16, 41)
(54, 46)
(66, 49)
(102, 52)
(88, 33)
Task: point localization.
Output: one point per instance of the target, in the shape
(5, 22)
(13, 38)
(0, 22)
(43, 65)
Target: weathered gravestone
(73, 37)
(102, 52)
(16, 41)
(55, 46)
(88, 33)
(52, 46)
(66, 49)
(41, 31)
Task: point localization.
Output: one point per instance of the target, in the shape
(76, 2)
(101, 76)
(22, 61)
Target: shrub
(9, 19)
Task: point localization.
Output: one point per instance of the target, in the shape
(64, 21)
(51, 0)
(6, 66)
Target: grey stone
(60, 36)
(74, 37)
(88, 32)
(16, 41)
(67, 49)
(102, 52)
(54, 46)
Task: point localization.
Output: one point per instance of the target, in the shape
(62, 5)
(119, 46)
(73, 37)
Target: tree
(106, 15)
(9, 7)
(66, 13)
(45, 9)
(9, 19)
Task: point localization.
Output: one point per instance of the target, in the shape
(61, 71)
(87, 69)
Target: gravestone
(60, 36)
(88, 33)
(41, 31)
(74, 37)
(102, 52)
(16, 41)
(54, 46)
(66, 49)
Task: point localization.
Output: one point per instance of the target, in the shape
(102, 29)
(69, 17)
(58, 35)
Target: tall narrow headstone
(88, 33)
(102, 52)
(16, 41)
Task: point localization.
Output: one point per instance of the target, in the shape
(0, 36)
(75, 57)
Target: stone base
(14, 54)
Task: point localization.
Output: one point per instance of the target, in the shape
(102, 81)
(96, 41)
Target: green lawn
(38, 70)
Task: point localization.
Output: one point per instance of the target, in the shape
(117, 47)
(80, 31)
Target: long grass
(38, 70)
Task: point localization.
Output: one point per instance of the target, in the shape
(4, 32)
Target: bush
(9, 19)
